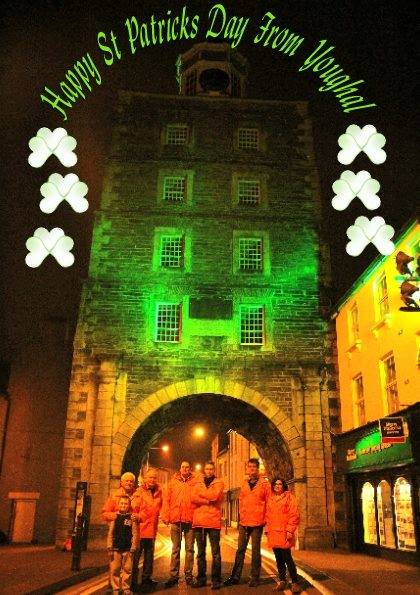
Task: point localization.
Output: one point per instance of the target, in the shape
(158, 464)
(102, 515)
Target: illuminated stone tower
(203, 296)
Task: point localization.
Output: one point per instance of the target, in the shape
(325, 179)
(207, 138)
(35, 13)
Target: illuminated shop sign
(371, 451)
(392, 430)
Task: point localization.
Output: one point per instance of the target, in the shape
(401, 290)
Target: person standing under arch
(127, 488)
(282, 520)
(207, 521)
(178, 512)
(252, 504)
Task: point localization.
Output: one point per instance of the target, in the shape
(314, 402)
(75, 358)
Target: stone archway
(222, 413)
(210, 385)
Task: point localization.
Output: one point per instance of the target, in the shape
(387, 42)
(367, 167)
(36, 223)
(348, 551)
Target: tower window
(171, 251)
(168, 323)
(249, 192)
(252, 325)
(176, 134)
(191, 83)
(174, 188)
(359, 399)
(250, 254)
(248, 138)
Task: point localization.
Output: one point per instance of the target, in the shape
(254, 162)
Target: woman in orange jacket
(282, 520)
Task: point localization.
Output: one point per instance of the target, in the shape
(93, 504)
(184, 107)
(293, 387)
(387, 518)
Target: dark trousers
(283, 559)
(177, 531)
(255, 533)
(147, 548)
(200, 537)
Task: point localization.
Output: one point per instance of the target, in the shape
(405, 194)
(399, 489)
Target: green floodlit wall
(125, 280)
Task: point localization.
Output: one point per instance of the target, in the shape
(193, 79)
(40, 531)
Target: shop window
(359, 399)
(385, 520)
(368, 511)
(406, 539)
(390, 380)
(382, 302)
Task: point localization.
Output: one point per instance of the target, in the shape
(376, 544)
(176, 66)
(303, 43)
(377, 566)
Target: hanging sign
(392, 430)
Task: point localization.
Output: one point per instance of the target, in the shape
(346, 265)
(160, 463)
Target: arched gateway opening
(221, 412)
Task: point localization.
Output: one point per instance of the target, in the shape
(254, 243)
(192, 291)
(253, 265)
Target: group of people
(192, 506)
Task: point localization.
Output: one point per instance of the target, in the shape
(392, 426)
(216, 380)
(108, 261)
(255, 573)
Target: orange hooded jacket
(177, 503)
(252, 503)
(110, 508)
(282, 517)
(146, 506)
(208, 502)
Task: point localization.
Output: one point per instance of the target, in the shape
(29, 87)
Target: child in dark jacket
(122, 543)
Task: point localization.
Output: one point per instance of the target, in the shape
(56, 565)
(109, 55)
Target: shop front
(382, 483)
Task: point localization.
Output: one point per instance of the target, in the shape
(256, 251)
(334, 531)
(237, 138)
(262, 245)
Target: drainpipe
(6, 396)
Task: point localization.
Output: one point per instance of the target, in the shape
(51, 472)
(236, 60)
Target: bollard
(77, 542)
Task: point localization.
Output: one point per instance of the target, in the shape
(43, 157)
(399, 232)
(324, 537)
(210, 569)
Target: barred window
(359, 395)
(176, 134)
(168, 323)
(250, 254)
(172, 251)
(249, 192)
(175, 188)
(391, 388)
(248, 138)
(382, 296)
(252, 325)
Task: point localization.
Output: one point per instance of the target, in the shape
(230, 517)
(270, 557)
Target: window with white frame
(251, 325)
(249, 192)
(175, 188)
(390, 380)
(168, 322)
(250, 254)
(354, 323)
(359, 399)
(176, 134)
(248, 138)
(382, 296)
(171, 251)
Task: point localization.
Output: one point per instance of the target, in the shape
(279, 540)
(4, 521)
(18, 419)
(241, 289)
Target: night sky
(374, 41)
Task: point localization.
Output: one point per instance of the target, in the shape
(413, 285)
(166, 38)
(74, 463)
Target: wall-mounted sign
(392, 430)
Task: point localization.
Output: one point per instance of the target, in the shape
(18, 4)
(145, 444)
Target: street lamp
(164, 448)
(199, 432)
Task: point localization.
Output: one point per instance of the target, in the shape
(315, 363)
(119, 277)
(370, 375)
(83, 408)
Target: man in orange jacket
(127, 487)
(146, 504)
(178, 512)
(252, 503)
(207, 520)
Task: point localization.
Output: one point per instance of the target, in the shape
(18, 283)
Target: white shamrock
(364, 231)
(47, 143)
(365, 139)
(53, 242)
(351, 185)
(68, 188)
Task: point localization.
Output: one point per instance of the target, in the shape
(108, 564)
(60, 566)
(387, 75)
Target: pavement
(43, 570)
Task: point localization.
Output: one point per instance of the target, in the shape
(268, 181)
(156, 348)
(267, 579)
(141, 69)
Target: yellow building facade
(378, 345)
